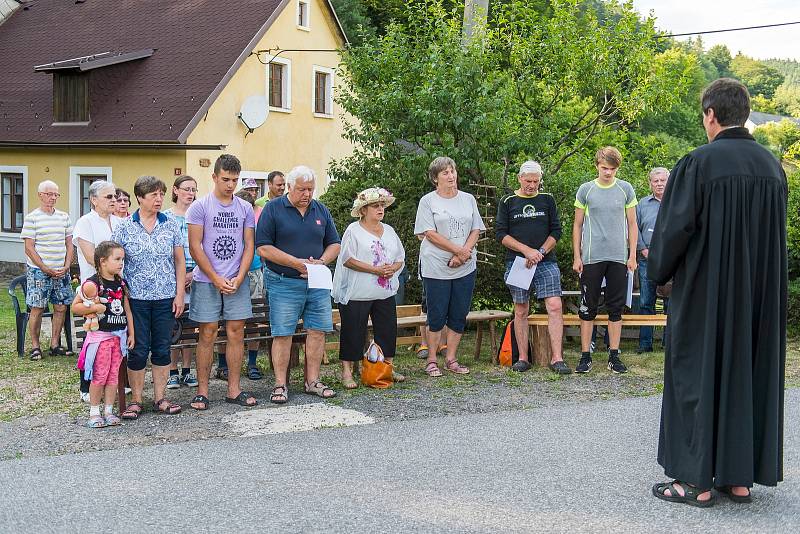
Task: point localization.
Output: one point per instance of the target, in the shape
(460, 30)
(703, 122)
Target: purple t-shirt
(223, 233)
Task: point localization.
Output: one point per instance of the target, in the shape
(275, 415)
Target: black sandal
(200, 399)
(690, 494)
(279, 398)
(60, 351)
(241, 399)
(36, 354)
(132, 412)
(170, 409)
(728, 492)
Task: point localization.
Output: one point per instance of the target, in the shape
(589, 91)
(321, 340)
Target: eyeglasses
(188, 189)
(110, 197)
(123, 199)
(50, 194)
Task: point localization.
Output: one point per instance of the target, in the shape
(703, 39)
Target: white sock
(94, 411)
(109, 409)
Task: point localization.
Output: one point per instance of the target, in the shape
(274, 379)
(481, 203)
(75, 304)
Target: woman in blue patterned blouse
(155, 268)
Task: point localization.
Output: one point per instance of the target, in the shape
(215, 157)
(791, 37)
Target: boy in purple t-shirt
(221, 237)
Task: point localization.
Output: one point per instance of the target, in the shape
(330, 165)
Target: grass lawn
(49, 386)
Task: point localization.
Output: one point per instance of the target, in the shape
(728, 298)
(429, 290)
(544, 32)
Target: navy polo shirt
(303, 236)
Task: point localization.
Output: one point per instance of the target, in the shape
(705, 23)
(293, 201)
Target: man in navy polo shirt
(295, 230)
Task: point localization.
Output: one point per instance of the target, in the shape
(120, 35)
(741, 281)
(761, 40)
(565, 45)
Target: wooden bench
(410, 316)
(185, 334)
(540, 337)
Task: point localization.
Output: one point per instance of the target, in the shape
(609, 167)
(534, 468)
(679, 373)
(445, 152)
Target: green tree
(759, 78)
(528, 86)
(355, 20)
(720, 57)
(778, 136)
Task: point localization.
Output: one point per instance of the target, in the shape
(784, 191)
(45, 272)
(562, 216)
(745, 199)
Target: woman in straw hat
(366, 281)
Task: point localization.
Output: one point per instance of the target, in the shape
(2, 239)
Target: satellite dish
(254, 112)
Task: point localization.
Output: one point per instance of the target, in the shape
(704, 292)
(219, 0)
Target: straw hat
(373, 195)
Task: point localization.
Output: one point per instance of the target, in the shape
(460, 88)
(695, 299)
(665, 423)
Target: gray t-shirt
(605, 227)
(454, 218)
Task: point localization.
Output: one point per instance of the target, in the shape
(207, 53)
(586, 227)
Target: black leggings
(353, 335)
(616, 275)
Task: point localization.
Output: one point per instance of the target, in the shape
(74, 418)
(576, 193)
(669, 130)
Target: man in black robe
(721, 236)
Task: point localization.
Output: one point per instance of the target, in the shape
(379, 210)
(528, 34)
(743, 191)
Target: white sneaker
(128, 391)
(84, 397)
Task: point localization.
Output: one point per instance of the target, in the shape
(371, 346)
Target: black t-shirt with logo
(529, 220)
(113, 290)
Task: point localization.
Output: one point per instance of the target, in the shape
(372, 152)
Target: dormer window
(303, 8)
(71, 83)
(70, 97)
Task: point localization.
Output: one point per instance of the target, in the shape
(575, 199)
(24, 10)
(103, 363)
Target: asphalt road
(577, 468)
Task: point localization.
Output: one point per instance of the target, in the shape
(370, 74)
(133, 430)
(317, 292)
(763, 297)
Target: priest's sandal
(690, 494)
(728, 492)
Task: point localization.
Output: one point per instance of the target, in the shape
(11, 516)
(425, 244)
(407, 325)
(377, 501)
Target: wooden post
(478, 340)
(540, 345)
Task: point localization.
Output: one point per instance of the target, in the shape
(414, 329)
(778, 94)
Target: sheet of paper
(629, 297)
(319, 276)
(520, 276)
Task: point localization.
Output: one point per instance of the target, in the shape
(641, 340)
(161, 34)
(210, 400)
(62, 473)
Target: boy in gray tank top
(604, 238)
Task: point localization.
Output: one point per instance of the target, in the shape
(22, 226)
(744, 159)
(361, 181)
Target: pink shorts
(106, 363)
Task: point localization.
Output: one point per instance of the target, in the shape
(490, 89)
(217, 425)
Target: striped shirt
(49, 232)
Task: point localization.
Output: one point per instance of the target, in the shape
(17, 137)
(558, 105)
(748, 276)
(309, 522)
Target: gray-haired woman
(450, 224)
(96, 226)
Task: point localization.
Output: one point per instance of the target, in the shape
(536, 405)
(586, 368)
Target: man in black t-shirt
(528, 226)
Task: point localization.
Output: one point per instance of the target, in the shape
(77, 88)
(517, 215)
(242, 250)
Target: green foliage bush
(793, 226)
(793, 309)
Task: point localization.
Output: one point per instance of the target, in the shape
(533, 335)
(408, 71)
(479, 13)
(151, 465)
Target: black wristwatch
(542, 251)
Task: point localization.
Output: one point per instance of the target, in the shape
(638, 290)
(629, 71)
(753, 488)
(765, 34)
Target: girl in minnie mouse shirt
(103, 349)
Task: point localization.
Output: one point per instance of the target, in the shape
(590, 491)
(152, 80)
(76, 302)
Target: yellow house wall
(126, 166)
(285, 139)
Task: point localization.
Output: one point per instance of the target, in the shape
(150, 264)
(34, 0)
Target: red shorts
(106, 364)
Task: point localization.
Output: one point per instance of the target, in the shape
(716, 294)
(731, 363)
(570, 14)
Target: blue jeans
(647, 306)
(152, 321)
(290, 299)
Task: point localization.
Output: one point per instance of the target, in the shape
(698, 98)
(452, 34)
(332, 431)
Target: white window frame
(287, 86)
(307, 26)
(329, 97)
(75, 186)
(23, 170)
(256, 175)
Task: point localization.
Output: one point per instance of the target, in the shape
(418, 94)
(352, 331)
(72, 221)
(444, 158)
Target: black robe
(721, 236)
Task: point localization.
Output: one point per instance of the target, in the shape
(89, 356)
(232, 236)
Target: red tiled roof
(196, 42)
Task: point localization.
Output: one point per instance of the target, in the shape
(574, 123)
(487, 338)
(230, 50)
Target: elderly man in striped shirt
(47, 233)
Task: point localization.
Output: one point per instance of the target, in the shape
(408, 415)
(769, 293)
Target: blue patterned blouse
(149, 257)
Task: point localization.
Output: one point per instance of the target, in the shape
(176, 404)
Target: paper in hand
(319, 276)
(520, 276)
(629, 294)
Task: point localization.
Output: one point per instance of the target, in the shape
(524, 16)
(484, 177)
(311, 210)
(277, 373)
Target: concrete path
(577, 468)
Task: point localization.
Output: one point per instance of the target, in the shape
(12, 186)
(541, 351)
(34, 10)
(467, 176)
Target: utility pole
(475, 13)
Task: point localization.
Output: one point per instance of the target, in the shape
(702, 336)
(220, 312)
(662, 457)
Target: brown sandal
(133, 411)
(171, 407)
(320, 390)
(433, 370)
(454, 367)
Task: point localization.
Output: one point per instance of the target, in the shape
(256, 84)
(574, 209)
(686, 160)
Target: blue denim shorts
(449, 302)
(290, 299)
(208, 305)
(43, 289)
(546, 283)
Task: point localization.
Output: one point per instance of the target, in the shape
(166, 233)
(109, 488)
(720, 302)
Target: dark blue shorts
(152, 332)
(448, 302)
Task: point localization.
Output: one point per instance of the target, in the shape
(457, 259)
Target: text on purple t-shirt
(223, 233)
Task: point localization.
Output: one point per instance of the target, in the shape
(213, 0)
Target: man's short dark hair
(271, 176)
(148, 184)
(227, 162)
(730, 101)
